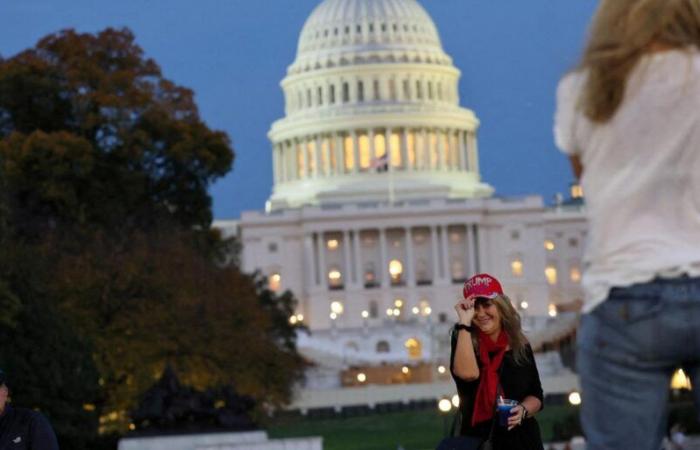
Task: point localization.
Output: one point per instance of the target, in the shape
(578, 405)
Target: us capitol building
(378, 211)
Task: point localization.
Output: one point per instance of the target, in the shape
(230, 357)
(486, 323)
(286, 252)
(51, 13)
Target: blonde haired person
(491, 357)
(629, 119)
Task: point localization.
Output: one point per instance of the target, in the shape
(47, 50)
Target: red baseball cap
(482, 285)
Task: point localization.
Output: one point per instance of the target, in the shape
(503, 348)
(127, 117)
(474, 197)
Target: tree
(144, 156)
(106, 168)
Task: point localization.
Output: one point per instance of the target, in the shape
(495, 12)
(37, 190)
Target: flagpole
(391, 181)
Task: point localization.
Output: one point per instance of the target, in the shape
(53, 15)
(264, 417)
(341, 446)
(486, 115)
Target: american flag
(380, 164)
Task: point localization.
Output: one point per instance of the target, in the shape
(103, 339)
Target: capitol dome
(372, 111)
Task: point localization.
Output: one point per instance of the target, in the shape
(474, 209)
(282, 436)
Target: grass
(412, 430)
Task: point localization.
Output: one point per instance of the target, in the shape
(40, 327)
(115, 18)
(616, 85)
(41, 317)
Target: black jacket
(24, 429)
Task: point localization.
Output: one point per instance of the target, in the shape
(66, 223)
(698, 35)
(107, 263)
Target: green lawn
(413, 430)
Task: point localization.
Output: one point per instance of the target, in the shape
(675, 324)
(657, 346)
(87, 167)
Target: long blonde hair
(623, 31)
(511, 324)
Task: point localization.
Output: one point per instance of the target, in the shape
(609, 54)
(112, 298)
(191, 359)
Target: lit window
(275, 282)
(457, 270)
(516, 267)
(414, 347)
(551, 274)
(575, 274)
(549, 245)
(395, 270)
(576, 191)
(332, 244)
(335, 278)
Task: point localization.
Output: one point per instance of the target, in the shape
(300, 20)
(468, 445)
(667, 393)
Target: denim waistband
(679, 289)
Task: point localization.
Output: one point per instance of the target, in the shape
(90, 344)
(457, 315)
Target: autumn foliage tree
(105, 167)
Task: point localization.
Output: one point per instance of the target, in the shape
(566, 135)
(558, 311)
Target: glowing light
(293, 320)
(680, 380)
(441, 370)
(516, 266)
(445, 405)
(334, 275)
(551, 274)
(300, 317)
(337, 307)
(398, 303)
(524, 305)
(332, 244)
(389, 312)
(397, 312)
(365, 314)
(275, 282)
(552, 310)
(415, 310)
(575, 398)
(455, 401)
(549, 245)
(575, 274)
(405, 370)
(395, 268)
(333, 316)
(427, 311)
(361, 377)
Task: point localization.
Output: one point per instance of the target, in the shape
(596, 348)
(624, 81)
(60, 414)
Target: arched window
(319, 96)
(383, 347)
(346, 92)
(331, 95)
(360, 91)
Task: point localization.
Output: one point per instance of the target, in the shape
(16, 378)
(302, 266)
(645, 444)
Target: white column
(463, 166)
(305, 152)
(291, 161)
(322, 269)
(441, 150)
(473, 153)
(347, 270)
(446, 272)
(404, 151)
(434, 246)
(309, 260)
(355, 152)
(276, 172)
(339, 154)
(426, 149)
(359, 273)
(471, 248)
(317, 155)
(384, 264)
(410, 263)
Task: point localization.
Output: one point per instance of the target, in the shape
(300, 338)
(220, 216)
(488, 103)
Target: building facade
(378, 212)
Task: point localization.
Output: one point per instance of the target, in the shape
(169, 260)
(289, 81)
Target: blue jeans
(628, 349)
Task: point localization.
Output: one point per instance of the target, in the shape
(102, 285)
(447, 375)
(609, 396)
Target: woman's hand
(465, 310)
(516, 416)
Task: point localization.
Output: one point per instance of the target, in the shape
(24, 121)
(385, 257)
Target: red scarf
(488, 379)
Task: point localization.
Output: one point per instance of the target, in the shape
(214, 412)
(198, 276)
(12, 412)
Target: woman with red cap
(490, 358)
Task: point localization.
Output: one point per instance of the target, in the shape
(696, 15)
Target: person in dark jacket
(21, 428)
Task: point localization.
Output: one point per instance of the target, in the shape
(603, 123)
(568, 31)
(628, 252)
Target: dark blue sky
(234, 53)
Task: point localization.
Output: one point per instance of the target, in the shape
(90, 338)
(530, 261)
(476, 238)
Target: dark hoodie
(24, 429)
